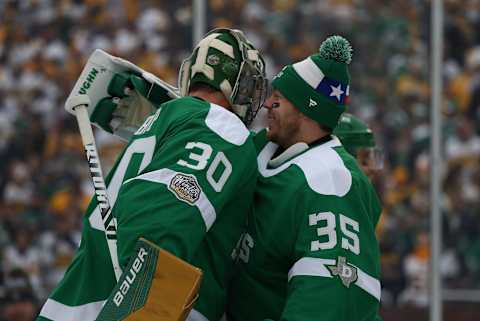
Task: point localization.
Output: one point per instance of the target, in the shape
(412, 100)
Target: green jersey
(310, 251)
(185, 181)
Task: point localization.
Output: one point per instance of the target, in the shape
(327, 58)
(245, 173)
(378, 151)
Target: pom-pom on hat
(319, 85)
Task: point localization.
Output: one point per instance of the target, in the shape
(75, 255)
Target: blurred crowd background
(44, 182)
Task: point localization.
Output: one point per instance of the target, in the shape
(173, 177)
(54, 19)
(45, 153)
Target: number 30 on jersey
(198, 161)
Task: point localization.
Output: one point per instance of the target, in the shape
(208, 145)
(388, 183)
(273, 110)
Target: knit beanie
(319, 85)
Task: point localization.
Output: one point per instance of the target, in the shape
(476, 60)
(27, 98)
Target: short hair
(201, 86)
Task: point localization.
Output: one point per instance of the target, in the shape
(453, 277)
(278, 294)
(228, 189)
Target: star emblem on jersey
(337, 92)
(312, 103)
(346, 272)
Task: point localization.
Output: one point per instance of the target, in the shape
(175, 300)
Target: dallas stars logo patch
(347, 273)
(312, 103)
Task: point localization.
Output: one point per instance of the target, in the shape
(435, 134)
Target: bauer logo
(88, 81)
(185, 188)
(130, 277)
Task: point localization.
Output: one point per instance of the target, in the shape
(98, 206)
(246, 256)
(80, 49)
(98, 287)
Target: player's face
(368, 163)
(283, 120)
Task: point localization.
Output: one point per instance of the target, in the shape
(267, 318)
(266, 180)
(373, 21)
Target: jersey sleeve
(327, 279)
(193, 173)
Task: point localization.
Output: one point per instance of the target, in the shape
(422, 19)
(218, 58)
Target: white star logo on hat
(337, 92)
(312, 103)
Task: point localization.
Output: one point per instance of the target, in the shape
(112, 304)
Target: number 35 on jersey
(327, 232)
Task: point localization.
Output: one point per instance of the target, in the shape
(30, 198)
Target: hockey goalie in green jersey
(185, 182)
(310, 252)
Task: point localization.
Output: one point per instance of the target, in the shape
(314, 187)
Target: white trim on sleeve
(57, 311)
(196, 316)
(165, 176)
(227, 125)
(310, 266)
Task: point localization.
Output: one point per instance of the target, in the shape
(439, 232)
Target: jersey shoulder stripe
(181, 185)
(310, 266)
(322, 167)
(226, 125)
(218, 119)
(54, 310)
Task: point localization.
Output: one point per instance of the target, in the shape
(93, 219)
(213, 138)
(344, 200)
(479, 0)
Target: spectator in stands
(19, 302)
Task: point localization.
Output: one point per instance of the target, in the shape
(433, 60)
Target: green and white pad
(131, 291)
(110, 82)
(156, 285)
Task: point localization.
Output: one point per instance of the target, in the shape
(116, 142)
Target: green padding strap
(151, 91)
(116, 87)
(131, 291)
(102, 114)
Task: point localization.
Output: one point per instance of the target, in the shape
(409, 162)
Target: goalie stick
(173, 283)
(78, 105)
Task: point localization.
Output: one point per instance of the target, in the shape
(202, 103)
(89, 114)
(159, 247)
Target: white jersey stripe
(310, 266)
(196, 316)
(322, 166)
(164, 176)
(226, 125)
(309, 71)
(57, 311)
(368, 283)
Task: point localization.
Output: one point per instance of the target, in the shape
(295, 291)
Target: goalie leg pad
(155, 286)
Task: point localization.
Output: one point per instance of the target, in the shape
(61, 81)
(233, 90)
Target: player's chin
(271, 133)
(271, 125)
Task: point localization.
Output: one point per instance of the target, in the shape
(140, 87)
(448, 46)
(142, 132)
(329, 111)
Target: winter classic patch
(185, 188)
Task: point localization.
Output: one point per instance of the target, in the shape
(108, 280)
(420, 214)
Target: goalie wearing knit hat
(319, 85)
